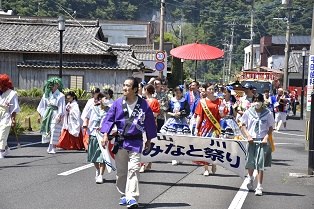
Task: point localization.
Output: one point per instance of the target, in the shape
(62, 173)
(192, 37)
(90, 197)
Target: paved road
(29, 179)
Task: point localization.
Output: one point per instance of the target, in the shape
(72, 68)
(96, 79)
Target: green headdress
(50, 83)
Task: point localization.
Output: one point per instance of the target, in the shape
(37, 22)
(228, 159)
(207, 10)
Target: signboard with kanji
(310, 82)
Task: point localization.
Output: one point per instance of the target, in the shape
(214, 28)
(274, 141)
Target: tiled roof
(45, 37)
(42, 35)
(294, 40)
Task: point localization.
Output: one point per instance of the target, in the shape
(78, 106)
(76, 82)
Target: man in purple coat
(132, 116)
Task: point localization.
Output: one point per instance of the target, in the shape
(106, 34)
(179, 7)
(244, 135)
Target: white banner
(228, 153)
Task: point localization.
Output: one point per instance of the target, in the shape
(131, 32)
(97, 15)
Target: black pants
(160, 123)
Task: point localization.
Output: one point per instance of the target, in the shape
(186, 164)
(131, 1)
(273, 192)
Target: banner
(228, 153)
(107, 155)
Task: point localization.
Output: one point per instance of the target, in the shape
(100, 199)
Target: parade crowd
(145, 109)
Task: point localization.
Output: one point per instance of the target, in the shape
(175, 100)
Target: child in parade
(95, 92)
(209, 112)
(257, 125)
(71, 137)
(92, 123)
(179, 109)
(153, 103)
(9, 107)
(51, 109)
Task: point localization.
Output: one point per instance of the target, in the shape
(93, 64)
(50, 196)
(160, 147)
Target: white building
(128, 32)
(247, 57)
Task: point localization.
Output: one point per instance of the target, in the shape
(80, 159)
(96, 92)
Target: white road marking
(277, 132)
(240, 197)
(66, 173)
(285, 143)
(25, 145)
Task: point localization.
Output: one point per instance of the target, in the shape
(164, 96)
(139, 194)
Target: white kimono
(72, 120)
(8, 105)
(57, 100)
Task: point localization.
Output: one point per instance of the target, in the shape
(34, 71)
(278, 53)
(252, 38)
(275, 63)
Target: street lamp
(61, 28)
(302, 91)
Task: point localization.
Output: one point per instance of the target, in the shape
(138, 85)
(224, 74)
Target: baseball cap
(249, 86)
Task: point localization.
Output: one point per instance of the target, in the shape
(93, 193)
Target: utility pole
(230, 50)
(162, 30)
(224, 63)
(181, 43)
(288, 4)
(252, 35)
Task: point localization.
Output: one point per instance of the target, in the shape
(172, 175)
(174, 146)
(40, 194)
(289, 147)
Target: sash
(45, 126)
(211, 117)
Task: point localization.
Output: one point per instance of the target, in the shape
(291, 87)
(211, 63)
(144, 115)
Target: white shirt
(257, 127)
(131, 107)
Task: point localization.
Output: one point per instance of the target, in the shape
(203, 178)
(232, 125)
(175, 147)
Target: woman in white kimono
(71, 137)
(8, 108)
(51, 109)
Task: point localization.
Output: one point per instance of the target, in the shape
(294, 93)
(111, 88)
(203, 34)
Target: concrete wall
(119, 33)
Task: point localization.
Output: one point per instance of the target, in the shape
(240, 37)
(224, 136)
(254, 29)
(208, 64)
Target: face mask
(258, 105)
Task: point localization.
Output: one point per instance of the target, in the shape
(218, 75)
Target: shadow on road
(164, 205)
(209, 186)
(283, 194)
(24, 156)
(281, 162)
(157, 171)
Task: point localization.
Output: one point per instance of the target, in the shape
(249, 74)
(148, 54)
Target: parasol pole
(195, 70)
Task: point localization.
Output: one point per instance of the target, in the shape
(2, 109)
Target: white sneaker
(142, 169)
(174, 162)
(97, 174)
(206, 173)
(6, 152)
(49, 148)
(259, 191)
(1, 155)
(250, 184)
(52, 151)
(99, 179)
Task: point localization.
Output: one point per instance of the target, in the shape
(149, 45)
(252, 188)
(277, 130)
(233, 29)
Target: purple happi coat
(143, 121)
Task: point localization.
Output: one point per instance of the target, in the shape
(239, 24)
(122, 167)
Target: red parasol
(197, 51)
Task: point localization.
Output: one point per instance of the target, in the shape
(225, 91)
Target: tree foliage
(207, 21)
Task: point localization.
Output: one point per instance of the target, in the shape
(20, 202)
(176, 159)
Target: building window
(136, 41)
(76, 82)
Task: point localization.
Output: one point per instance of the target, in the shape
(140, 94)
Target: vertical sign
(160, 59)
(310, 83)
